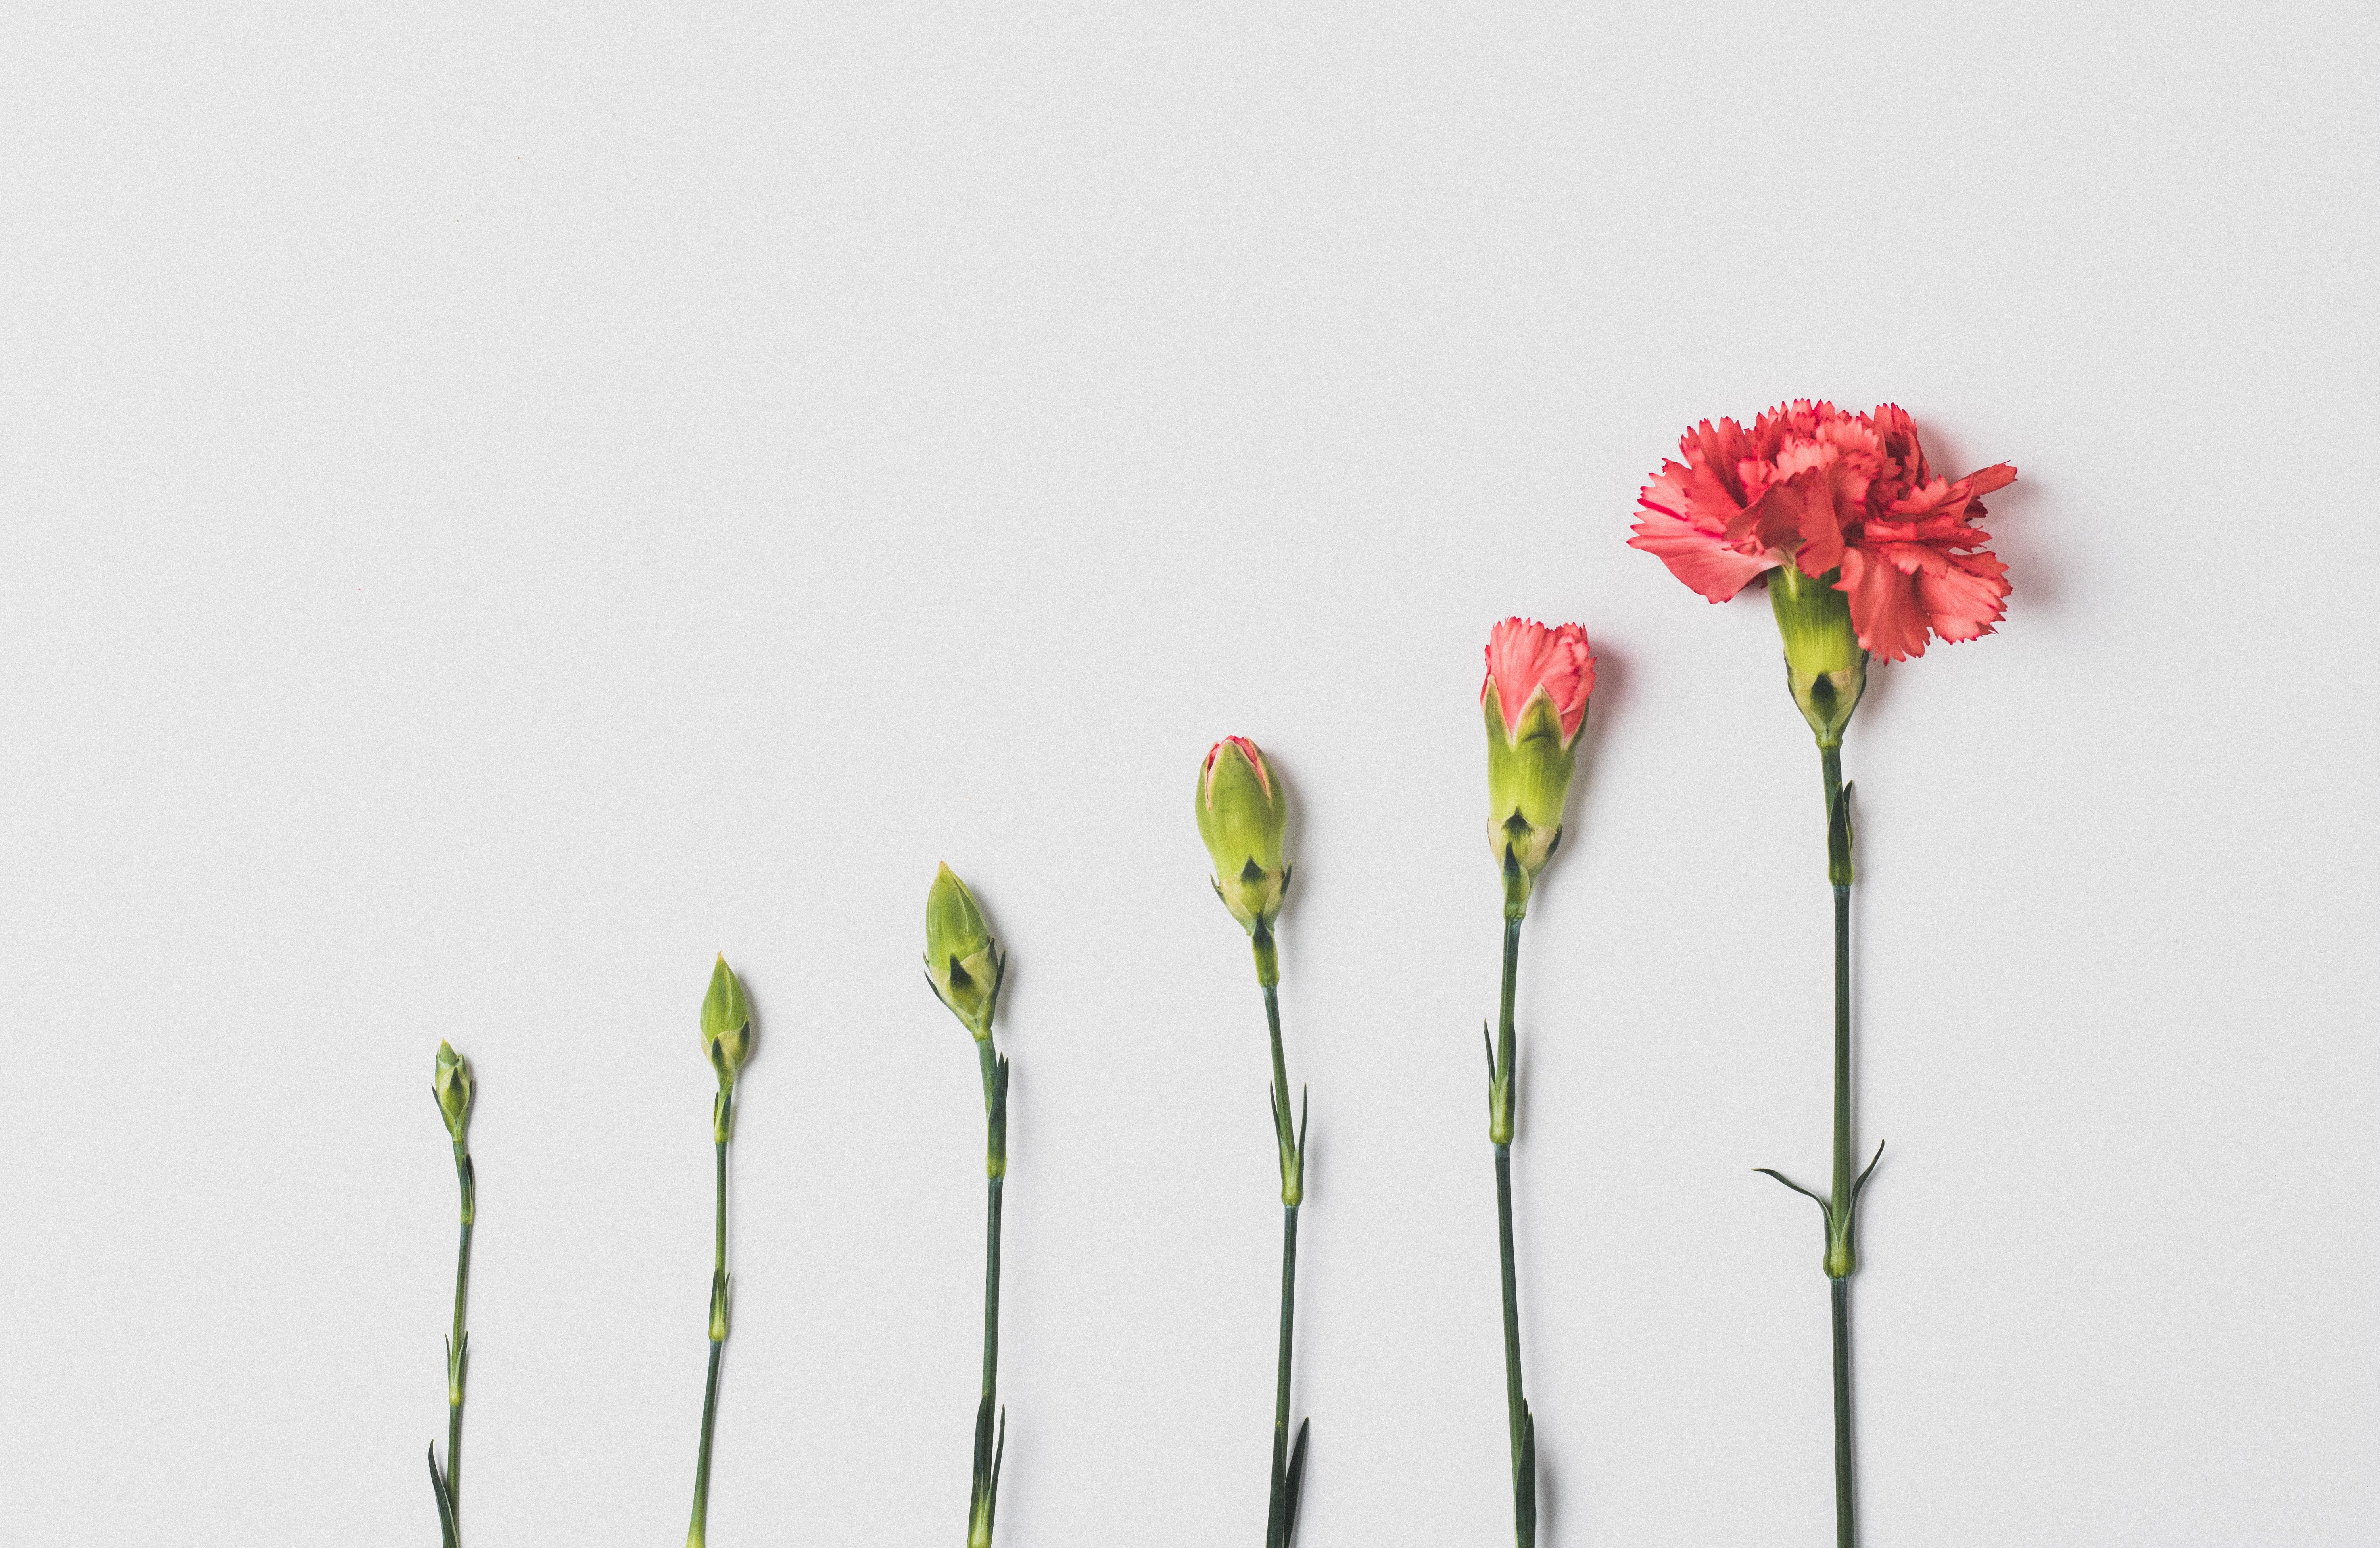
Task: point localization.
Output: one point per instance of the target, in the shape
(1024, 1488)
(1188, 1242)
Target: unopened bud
(726, 1024)
(1243, 814)
(1825, 668)
(963, 964)
(451, 1085)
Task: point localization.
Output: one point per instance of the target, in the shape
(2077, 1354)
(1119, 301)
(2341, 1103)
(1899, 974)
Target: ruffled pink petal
(1967, 597)
(1886, 612)
(1525, 657)
(1701, 559)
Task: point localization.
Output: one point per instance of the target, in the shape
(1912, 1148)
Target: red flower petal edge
(1525, 657)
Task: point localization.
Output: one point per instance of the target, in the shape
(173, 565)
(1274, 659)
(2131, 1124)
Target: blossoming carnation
(1813, 487)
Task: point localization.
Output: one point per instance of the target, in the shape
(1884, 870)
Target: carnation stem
(694, 1537)
(1518, 1421)
(1288, 1462)
(458, 1342)
(1842, 1220)
(990, 1444)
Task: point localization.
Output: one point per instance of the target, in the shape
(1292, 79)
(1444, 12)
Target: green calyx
(451, 1083)
(1529, 780)
(1825, 668)
(963, 964)
(726, 1024)
(1243, 814)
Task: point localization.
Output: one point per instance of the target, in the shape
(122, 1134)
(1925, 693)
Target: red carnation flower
(1813, 487)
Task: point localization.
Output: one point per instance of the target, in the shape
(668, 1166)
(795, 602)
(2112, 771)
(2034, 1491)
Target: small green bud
(1243, 814)
(451, 1085)
(726, 1024)
(1825, 669)
(963, 964)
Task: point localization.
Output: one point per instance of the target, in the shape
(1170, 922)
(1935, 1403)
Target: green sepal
(1825, 671)
(1839, 1228)
(1529, 782)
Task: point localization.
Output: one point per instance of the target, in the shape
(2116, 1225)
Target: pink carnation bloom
(1811, 486)
(1525, 659)
(1248, 751)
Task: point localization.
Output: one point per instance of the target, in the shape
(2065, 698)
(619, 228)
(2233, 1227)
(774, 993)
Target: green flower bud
(726, 1024)
(451, 1085)
(1534, 700)
(963, 964)
(1242, 813)
(1825, 668)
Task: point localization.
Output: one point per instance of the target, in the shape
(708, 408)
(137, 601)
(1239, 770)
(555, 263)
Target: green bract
(961, 961)
(1825, 668)
(726, 1022)
(451, 1085)
(1528, 778)
(1241, 816)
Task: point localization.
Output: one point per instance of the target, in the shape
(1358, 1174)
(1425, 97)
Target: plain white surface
(503, 503)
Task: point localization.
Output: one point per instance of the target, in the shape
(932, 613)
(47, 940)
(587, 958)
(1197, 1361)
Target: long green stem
(1284, 1507)
(694, 1536)
(1502, 1094)
(459, 1345)
(1288, 1460)
(1843, 1211)
(991, 1290)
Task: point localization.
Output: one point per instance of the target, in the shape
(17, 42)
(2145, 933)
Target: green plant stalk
(1843, 1248)
(1519, 1424)
(1288, 1474)
(984, 1493)
(722, 1115)
(458, 1343)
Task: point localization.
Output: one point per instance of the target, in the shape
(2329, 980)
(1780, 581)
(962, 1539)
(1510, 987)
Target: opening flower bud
(1824, 667)
(961, 964)
(726, 1022)
(1242, 814)
(1534, 700)
(451, 1083)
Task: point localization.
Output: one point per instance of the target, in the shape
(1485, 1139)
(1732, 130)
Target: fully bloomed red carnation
(1813, 487)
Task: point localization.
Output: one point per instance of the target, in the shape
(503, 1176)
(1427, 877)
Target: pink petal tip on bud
(1525, 659)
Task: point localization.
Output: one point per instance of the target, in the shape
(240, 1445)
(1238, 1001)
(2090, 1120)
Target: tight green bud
(1825, 668)
(726, 1024)
(1243, 813)
(961, 961)
(451, 1085)
(1534, 700)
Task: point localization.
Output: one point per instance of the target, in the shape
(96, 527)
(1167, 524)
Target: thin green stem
(1280, 1087)
(1515, 1404)
(991, 1288)
(459, 1345)
(694, 1536)
(1501, 1099)
(1276, 1526)
(1846, 1491)
(1842, 1213)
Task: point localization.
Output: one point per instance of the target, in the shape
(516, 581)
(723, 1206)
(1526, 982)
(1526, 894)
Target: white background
(503, 503)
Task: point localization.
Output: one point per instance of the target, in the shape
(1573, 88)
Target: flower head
(961, 964)
(1242, 814)
(1831, 493)
(1534, 699)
